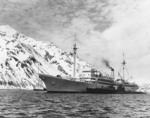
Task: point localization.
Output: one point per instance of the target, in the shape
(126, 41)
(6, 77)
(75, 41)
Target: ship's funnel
(112, 73)
(106, 62)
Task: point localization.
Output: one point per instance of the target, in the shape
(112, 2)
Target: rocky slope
(22, 58)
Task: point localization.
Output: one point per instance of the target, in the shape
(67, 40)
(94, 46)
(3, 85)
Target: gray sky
(104, 29)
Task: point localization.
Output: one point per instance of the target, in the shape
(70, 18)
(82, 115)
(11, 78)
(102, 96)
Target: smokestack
(112, 73)
(106, 62)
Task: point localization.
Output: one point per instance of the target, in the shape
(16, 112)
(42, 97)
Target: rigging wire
(127, 72)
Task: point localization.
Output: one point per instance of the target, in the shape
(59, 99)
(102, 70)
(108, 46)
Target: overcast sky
(104, 29)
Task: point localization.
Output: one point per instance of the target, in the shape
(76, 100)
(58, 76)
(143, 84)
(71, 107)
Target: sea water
(40, 104)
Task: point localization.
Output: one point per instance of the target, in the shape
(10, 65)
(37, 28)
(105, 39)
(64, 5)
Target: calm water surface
(36, 104)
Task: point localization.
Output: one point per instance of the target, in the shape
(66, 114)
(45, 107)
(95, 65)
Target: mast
(123, 67)
(74, 53)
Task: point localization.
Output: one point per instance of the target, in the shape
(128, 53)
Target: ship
(92, 81)
(121, 86)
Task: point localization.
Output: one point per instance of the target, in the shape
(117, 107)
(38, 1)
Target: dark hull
(106, 91)
(59, 85)
(40, 89)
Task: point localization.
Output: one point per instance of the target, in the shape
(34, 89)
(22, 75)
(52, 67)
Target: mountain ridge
(23, 58)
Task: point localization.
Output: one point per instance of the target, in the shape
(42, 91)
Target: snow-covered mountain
(22, 58)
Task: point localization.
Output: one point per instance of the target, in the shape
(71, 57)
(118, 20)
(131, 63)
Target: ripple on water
(32, 104)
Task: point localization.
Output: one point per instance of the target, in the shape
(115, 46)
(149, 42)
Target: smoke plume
(106, 62)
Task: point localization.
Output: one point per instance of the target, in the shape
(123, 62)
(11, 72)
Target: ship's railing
(88, 79)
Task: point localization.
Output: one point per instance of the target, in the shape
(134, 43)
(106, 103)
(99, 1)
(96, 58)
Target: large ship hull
(104, 91)
(60, 85)
(57, 84)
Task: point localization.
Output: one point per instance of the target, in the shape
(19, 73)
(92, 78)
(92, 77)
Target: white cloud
(130, 33)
